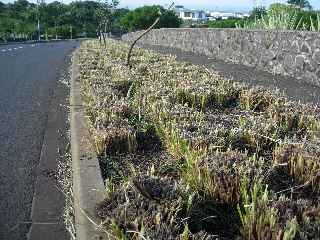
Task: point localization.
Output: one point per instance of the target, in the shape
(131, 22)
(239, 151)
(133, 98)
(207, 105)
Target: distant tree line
(18, 20)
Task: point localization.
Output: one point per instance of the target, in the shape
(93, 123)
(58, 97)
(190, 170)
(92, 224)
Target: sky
(212, 4)
(234, 5)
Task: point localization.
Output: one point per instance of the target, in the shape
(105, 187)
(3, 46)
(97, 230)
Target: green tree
(279, 8)
(258, 13)
(105, 15)
(19, 19)
(169, 19)
(52, 16)
(83, 18)
(118, 15)
(2, 7)
(20, 5)
(302, 4)
(143, 17)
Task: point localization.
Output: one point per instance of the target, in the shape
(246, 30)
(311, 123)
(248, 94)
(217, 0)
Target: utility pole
(38, 8)
(70, 31)
(39, 34)
(55, 27)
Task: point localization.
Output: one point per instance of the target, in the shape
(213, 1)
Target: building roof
(190, 10)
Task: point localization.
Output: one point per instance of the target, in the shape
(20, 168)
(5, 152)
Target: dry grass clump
(142, 207)
(218, 95)
(256, 99)
(301, 161)
(146, 207)
(190, 155)
(117, 137)
(114, 125)
(305, 214)
(260, 219)
(295, 120)
(216, 176)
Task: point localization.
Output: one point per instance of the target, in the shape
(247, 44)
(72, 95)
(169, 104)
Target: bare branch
(143, 34)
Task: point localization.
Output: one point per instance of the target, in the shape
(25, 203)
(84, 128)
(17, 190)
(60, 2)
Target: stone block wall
(292, 53)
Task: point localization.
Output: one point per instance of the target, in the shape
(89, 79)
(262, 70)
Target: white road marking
(11, 49)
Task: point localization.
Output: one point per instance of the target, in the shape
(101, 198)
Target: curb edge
(88, 186)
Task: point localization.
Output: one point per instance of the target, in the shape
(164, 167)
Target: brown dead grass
(189, 155)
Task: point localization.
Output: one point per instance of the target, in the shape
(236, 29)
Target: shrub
(227, 23)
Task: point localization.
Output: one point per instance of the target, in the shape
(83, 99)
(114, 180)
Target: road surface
(28, 77)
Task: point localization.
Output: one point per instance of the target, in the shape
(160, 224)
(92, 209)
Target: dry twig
(143, 34)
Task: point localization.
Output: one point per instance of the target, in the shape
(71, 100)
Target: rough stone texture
(291, 53)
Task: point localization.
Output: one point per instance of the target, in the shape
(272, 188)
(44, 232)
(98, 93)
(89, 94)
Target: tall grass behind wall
(315, 24)
(285, 20)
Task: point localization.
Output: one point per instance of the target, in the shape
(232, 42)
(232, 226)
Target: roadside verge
(88, 187)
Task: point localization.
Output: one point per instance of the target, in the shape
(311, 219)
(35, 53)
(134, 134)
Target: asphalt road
(28, 77)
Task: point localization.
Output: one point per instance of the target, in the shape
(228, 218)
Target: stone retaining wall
(292, 53)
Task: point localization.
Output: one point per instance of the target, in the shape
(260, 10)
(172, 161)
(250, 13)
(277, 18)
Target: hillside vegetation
(19, 20)
(187, 154)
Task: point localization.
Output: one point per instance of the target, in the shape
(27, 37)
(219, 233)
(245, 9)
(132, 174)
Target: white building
(187, 14)
(199, 15)
(226, 15)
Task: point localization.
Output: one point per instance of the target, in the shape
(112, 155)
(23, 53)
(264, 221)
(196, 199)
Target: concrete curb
(88, 186)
